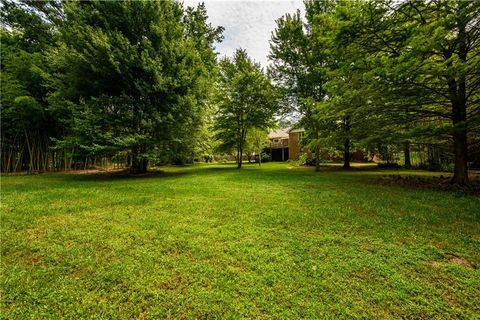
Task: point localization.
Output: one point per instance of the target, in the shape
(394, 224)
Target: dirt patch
(433, 183)
(32, 260)
(453, 258)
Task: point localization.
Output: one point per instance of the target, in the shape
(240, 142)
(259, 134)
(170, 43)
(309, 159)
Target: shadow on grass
(121, 175)
(340, 167)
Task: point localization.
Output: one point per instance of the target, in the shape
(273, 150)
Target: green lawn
(212, 241)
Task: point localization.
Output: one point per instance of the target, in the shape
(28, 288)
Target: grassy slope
(212, 241)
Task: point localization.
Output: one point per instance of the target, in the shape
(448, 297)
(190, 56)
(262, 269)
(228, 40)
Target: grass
(217, 242)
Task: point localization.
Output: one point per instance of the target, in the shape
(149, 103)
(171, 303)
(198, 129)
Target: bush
(266, 157)
(389, 165)
(306, 160)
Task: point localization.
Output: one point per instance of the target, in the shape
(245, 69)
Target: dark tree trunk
(317, 148)
(346, 144)
(239, 158)
(460, 175)
(239, 155)
(139, 164)
(243, 135)
(346, 153)
(317, 158)
(459, 112)
(406, 151)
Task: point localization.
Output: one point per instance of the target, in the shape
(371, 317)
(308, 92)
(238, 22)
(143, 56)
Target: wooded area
(385, 75)
(138, 83)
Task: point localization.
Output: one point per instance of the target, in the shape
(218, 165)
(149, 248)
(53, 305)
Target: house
(285, 144)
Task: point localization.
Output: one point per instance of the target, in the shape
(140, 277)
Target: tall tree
(136, 75)
(27, 123)
(246, 100)
(256, 141)
(298, 68)
(426, 54)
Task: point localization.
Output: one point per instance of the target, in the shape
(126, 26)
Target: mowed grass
(211, 241)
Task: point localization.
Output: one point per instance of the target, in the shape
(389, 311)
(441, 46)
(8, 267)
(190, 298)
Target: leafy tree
(246, 100)
(136, 75)
(298, 69)
(27, 123)
(386, 73)
(256, 141)
(424, 56)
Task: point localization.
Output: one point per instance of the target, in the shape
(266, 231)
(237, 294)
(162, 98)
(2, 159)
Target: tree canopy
(124, 76)
(246, 100)
(383, 74)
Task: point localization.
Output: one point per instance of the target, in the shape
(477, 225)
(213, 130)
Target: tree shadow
(122, 175)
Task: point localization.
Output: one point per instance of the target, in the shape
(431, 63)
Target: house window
(275, 140)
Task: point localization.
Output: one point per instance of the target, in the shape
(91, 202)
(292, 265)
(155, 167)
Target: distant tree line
(384, 75)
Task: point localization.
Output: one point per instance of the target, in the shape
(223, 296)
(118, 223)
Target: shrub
(306, 160)
(266, 157)
(389, 165)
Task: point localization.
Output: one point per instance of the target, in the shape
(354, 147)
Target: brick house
(285, 144)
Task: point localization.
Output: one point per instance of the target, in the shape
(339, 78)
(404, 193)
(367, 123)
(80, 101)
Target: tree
(27, 123)
(442, 57)
(256, 141)
(136, 75)
(424, 58)
(395, 72)
(298, 68)
(246, 100)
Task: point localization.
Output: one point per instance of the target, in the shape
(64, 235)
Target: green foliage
(108, 78)
(246, 100)
(266, 157)
(137, 75)
(256, 141)
(379, 72)
(27, 123)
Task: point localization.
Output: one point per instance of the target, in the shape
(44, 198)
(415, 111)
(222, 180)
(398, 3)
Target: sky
(248, 24)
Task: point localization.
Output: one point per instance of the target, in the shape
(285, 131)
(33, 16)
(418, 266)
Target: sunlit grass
(213, 241)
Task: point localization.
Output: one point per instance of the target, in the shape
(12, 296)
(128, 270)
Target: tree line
(126, 81)
(138, 83)
(383, 74)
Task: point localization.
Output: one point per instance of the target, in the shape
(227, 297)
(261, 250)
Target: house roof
(278, 134)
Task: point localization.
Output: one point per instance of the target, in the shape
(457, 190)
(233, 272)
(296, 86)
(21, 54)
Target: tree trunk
(346, 154)
(346, 144)
(317, 158)
(241, 142)
(406, 150)
(139, 164)
(460, 146)
(239, 157)
(459, 111)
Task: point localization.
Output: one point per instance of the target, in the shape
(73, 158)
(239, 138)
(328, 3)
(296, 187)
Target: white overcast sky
(248, 24)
